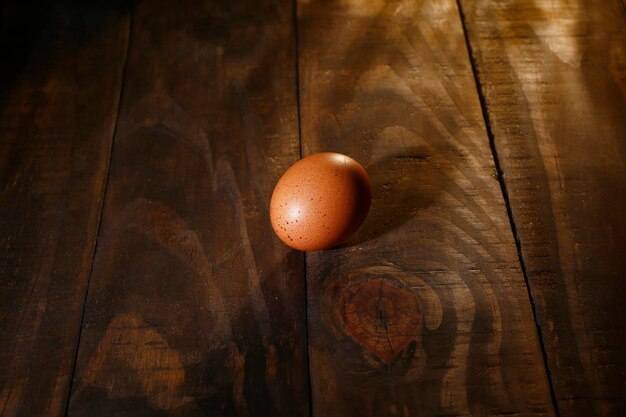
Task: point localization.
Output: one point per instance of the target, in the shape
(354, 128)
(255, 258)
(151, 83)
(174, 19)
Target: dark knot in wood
(382, 317)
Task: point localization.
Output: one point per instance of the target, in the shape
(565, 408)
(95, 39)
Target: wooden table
(139, 146)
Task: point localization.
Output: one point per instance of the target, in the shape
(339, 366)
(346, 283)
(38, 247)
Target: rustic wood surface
(194, 307)
(153, 285)
(425, 311)
(57, 111)
(554, 80)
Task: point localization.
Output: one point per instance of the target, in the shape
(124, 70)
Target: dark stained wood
(554, 79)
(425, 311)
(195, 307)
(60, 80)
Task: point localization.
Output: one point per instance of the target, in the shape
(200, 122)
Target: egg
(320, 201)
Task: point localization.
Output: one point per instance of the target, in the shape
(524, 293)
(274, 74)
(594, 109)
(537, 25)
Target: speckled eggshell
(320, 201)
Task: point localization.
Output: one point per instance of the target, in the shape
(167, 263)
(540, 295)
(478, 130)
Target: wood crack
(382, 317)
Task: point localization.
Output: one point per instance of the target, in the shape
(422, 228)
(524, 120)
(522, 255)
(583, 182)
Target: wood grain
(195, 308)
(60, 84)
(554, 80)
(425, 311)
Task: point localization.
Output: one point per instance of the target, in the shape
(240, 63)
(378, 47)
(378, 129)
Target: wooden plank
(195, 308)
(60, 82)
(425, 311)
(554, 80)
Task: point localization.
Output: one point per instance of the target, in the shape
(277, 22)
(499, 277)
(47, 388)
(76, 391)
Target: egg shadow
(402, 185)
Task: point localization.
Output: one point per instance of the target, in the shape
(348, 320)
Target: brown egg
(320, 201)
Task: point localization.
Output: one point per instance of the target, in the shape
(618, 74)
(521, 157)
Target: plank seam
(102, 199)
(304, 269)
(505, 196)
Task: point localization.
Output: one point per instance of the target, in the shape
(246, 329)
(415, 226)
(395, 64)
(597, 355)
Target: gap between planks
(304, 269)
(505, 196)
(102, 199)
